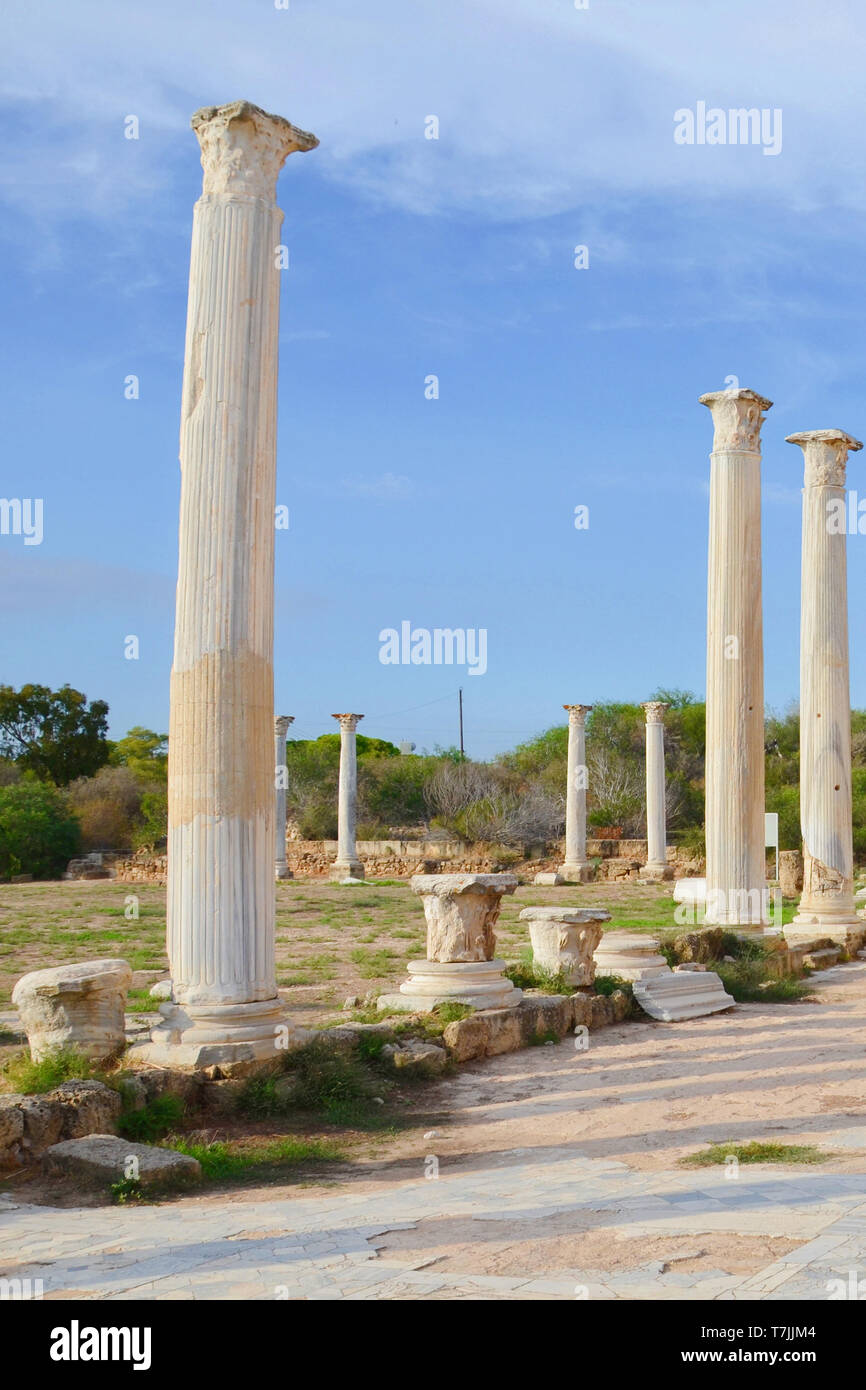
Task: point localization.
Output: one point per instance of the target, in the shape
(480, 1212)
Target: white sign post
(771, 835)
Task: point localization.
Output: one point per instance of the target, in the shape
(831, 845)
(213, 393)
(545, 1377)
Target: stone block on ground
(548, 880)
(690, 890)
(822, 959)
(80, 1006)
(466, 1038)
(102, 1159)
(544, 1014)
(11, 1125)
(790, 873)
(678, 996)
(87, 1107)
(704, 945)
(412, 1056)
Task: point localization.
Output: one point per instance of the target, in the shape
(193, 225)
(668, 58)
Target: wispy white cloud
(583, 105)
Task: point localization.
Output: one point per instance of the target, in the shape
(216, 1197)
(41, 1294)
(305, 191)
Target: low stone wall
(619, 859)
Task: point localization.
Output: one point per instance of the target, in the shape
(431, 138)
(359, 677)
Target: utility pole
(460, 704)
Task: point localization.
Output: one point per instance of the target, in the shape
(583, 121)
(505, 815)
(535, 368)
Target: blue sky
(452, 257)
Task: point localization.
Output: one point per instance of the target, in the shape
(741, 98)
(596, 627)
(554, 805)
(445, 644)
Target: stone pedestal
(577, 868)
(657, 867)
(736, 869)
(461, 912)
(281, 728)
(347, 864)
(220, 779)
(81, 1006)
(630, 955)
(564, 939)
(827, 902)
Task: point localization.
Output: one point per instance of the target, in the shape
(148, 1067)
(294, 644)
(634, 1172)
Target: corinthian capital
(243, 149)
(281, 724)
(577, 713)
(737, 419)
(825, 454)
(348, 721)
(655, 711)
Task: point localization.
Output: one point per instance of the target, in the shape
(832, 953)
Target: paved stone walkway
(321, 1243)
(320, 1247)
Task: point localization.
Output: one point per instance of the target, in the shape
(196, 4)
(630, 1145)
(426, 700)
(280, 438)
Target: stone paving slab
(317, 1249)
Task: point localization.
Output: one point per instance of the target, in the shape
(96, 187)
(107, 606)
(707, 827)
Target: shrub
(108, 807)
(157, 1118)
(329, 1080)
(34, 1078)
(39, 833)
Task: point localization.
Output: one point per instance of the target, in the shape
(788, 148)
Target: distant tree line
(65, 787)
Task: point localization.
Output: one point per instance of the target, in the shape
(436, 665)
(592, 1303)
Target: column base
(234, 1037)
(656, 873)
(345, 868)
(282, 872)
(576, 873)
(478, 984)
(845, 930)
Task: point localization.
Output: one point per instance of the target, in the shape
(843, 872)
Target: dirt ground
(333, 941)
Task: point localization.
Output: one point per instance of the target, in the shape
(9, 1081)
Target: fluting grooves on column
(656, 867)
(576, 867)
(736, 876)
(827, 902)
(221, 744)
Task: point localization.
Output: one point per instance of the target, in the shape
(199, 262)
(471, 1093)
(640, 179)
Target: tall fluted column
(736, 872)
(576, 868)
(221, 788)
(347, 864)
(656, 867)
(281, 728)
(827, 902)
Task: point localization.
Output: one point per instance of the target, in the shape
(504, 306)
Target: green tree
(38, 831)
(53, 733)
(144, 751)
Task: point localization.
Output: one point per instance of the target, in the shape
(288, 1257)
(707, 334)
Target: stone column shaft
(281, 729)
(220, 789)
(347, 864)
(736, 874)
(827, 902)
(656, 866)
(576, 867)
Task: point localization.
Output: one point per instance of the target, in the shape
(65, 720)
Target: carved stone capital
(281, 724)
(348, 721)
(243, 149)
(825, 454)
(655, 711)
(577, 713)
(737, 419)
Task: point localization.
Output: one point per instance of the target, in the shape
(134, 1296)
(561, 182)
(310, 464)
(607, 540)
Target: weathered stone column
(347, 864)
(281, 728)
(736, 872)
(827, 901)
(220, 786)
(576, 868)
(657, 866)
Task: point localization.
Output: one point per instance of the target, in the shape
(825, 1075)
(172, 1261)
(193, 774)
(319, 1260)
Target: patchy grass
(754, 1152)
(749, 980)
(29, 1078)
(222, 1160)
